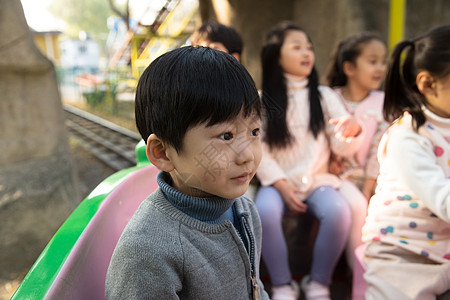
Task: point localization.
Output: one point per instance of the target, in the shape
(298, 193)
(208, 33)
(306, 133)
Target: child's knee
(269, 204)
(338, 214)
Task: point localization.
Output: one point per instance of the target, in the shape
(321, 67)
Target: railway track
(110, 143)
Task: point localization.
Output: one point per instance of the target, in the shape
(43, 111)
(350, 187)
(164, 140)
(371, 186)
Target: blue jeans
(329, 207)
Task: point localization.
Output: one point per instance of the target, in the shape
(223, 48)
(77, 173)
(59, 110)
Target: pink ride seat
(83, 274)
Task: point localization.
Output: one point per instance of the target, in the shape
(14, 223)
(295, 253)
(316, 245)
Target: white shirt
(305, 162)
(411, 205)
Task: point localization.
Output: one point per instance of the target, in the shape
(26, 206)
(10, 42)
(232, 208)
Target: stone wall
(38, 186)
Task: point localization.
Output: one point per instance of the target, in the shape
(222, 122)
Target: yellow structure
(396, 22)
(177, 26)
(48, 43)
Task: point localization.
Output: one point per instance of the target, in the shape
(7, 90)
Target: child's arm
(414, 163)
(344, 131)
(346, 127)
(143, 265)
(346, 137)
(372, 168)
(269, 170)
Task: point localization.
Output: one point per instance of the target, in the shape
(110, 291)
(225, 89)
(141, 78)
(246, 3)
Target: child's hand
(335, 166)
(290, 196)
(346, 127)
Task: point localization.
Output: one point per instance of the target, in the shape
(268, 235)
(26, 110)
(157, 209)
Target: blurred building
(80, 54)
(48, 44)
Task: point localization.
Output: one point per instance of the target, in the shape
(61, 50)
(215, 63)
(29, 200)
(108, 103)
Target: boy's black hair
(274, 90)
(429, 52)
(348, 50)
(218, 33)
(189, 86)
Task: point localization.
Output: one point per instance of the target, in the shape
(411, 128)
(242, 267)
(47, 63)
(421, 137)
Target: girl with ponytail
(407, 231)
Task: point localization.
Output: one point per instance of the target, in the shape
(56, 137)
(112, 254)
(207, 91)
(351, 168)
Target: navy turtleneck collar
(212, 210)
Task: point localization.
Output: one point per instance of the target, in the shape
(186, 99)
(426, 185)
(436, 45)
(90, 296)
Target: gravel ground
(90, 173)
(90, 170)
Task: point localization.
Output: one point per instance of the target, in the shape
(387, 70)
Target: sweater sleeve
(334, 109)
(142, 268)
(372, 168)
(414, 163)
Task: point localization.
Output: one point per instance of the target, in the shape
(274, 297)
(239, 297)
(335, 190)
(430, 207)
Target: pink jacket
(369, 113)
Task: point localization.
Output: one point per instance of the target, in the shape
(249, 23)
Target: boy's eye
(255, 132)
(226, 136)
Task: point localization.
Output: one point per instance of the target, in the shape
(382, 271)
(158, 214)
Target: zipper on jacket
(251, 253)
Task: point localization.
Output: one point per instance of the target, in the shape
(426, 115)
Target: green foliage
(83, 15)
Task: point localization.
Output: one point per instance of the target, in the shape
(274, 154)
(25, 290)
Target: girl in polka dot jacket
(407, 231)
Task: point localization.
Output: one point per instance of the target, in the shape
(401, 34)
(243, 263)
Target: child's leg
(358, 207)
(396, 273)
(332, 210)
(271, 208)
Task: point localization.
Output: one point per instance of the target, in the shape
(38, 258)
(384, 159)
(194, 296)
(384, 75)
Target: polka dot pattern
(438, 151)
(388, 229)
(414, 205)
(403, 219)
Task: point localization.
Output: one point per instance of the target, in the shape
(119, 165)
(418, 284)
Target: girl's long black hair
(429, 52)
(274, 91)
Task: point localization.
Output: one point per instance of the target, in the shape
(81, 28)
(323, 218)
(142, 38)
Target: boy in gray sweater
(197, 236)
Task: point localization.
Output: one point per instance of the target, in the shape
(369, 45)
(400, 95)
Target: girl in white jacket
(303, 123)
(407, 230)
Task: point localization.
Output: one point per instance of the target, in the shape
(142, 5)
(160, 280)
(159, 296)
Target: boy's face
(213, 45)
(216, 46)
(219, 160)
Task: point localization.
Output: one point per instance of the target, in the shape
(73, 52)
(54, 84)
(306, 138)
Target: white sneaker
(286, 292)
(314, 290)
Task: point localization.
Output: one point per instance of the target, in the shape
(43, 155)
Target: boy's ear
(236, 55)
(156, 153)
(426, 83)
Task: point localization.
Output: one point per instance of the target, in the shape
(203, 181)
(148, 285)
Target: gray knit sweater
(165, 253)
